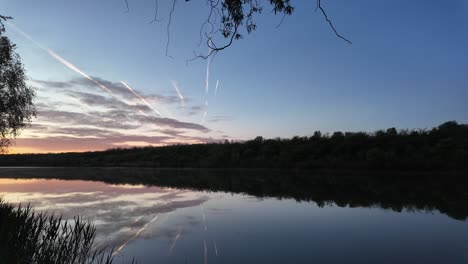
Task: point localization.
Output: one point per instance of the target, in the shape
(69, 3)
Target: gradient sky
(407, 68)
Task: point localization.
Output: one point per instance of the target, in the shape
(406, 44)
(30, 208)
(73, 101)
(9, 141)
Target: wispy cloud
(77, 116)
(194, 110)
(117, 88)
(98, 122)
(54, 84)
(216, 119)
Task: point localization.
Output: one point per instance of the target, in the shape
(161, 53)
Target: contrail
(60, 59)
(207, 84)
(216, 87)
(143, 113)
(76, 69)
(141, 98)
(206, 111)
(136, 235)
(176, 88)
(24, 34)
(207, 77)
(79, 71)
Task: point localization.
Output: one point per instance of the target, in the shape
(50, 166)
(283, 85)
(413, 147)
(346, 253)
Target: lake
(256, 216)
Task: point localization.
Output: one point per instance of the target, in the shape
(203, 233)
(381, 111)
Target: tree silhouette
(442, 148)
(16, 97)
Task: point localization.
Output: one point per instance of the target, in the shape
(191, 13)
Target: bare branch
(235, 17)
(128, 9)
(168, 27)
(211, 19)
(2, 26)
(281, 22)
(213, 48)
(319, 6)
(155, 19)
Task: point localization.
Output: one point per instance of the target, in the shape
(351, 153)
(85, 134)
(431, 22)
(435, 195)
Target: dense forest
(443, 147)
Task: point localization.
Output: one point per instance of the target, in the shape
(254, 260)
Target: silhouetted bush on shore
(30, 237)
(443, 147)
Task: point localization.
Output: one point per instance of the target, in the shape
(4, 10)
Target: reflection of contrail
(134, 236)
(176, 88)
(204, 217)
(215, 247)
(60, 59)
(175, 241)
(205, 252)
(140, 97)
(216, 87)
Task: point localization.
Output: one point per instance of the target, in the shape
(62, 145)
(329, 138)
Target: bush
(30, 237)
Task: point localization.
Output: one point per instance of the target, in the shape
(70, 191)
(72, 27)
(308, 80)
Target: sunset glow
(275, 82)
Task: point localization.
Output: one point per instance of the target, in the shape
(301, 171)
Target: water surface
(253, 217)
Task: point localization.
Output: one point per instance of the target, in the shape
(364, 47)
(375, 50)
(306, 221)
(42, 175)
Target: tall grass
(28, 237)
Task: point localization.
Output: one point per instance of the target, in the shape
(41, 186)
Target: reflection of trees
(398, 192)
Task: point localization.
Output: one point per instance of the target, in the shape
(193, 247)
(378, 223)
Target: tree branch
(168, 27)
(128, 9)
(213, 48)
(319, 6)
(155, 14)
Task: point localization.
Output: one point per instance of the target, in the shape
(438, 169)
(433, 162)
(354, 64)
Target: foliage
(234, 14)
(16, 97)
(443, 147)
(29, 237)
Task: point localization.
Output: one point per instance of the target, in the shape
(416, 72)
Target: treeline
(443, 147)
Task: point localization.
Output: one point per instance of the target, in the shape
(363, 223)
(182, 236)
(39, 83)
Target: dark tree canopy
(16, 97)
(443, 148)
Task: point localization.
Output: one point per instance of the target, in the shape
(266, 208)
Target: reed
(27, 236)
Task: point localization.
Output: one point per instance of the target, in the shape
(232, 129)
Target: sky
(103, 78)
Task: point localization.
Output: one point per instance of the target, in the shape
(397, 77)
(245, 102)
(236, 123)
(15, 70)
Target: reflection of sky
(120, 212)
(166, 225)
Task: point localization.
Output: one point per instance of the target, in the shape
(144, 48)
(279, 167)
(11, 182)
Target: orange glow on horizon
(27, 150)
(43, 149)
(7, 181)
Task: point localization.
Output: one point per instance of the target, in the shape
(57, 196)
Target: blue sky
(407, 67)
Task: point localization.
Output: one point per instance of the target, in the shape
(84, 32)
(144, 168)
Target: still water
(251, 219)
